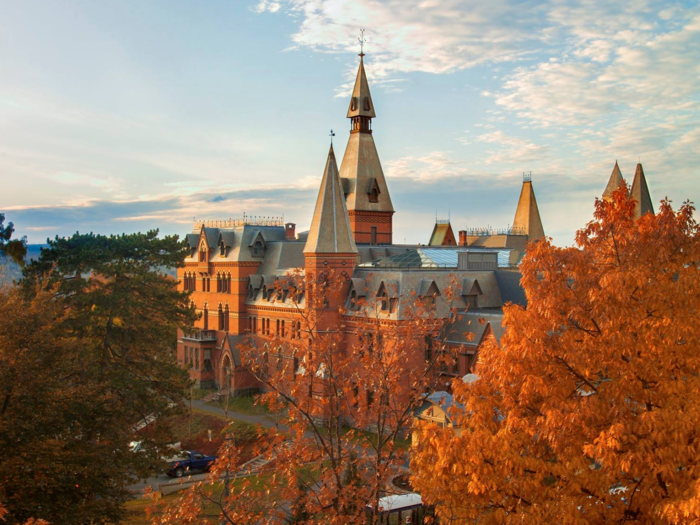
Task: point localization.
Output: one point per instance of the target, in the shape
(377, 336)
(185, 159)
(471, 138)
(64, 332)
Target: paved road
(267, 421)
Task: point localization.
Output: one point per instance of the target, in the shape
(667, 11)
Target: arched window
(205, 317)
(226, 317)
(221, 317)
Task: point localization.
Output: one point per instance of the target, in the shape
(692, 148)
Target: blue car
(189, 460)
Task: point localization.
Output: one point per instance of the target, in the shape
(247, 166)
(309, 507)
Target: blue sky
(130, 115)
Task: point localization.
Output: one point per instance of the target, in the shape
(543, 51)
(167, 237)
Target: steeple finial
(362, 41)
(331, 135)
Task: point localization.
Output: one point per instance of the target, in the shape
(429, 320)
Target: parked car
(188, 460)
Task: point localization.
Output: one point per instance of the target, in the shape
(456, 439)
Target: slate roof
(360, 165)
(330, 226)
(470, 330)
(238, 239)
(640, 193)
(616, 181)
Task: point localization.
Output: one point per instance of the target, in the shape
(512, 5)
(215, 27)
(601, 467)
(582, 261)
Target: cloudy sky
(119, 116)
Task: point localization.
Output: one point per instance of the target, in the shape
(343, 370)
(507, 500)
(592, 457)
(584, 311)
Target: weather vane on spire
(331, 135)
(362, 41)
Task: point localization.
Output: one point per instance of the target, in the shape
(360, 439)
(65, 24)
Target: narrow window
(373, 239)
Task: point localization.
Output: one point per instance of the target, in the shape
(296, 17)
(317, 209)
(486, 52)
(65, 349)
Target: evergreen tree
(87, 350)
(16, 249)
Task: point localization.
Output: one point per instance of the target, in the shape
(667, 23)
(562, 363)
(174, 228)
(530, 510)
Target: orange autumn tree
(347, 392)
(589, 410)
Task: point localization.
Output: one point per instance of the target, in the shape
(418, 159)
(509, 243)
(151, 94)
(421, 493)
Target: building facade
(235, 266)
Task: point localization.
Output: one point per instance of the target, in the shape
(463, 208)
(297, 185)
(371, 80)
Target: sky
(133, 115)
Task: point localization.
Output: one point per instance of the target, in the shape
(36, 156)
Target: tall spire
(616, 181)
(527, 216)
(361, 104)
(330, 227)
(640, 194)
(364, 184)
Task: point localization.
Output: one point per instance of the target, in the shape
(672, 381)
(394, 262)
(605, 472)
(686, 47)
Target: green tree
(16, 249)
(86, 352)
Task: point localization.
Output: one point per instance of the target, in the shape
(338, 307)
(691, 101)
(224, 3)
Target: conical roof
(616, 181)
(640, 194)
(330, 230)
(361, 172)
(361, 104)
(527, 216)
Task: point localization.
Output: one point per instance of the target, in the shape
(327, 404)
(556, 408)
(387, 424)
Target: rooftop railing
(488, 231)
(242, 220)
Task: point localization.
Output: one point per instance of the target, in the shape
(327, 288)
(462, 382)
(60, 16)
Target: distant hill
(10, 271)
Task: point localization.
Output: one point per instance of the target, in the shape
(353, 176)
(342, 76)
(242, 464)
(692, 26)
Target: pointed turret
(366, 191)
(361, 101)
(330, 226)
(527, 216)
(640, 194)
(616, 181)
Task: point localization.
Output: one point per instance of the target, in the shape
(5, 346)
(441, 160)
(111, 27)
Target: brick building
(233, 265)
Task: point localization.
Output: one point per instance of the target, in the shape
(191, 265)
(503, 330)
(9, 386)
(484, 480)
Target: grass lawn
(137, 508)
(242, 404)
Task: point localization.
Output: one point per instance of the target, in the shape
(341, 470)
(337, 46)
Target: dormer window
(352, 303)
(366, 101)
(258, 249)
(373, 191)
(353, 104)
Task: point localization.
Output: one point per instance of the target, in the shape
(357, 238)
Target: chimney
(462, 238)
(290, 231)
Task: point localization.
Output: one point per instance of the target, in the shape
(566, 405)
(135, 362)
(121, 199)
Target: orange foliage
(588, 412)
(338, 376)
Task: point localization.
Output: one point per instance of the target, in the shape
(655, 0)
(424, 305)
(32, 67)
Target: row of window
(222, 282)
(262, 326)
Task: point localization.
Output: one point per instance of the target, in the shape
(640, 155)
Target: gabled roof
(192, 240)
(527, 216)
(330, 230)
(361, 104)
(616, 181)
(359, 286)
(226, 238)
(640, 194)
(471, 287)
(212, 236)
(442, 235)
(428, 286)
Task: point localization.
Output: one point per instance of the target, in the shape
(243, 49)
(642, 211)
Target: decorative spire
(330, 226)
(361, 104)
(527, 216)
(616, 181)
(640, 194)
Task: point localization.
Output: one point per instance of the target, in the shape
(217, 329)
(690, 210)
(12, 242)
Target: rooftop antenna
(362, 41)
(331, 135)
